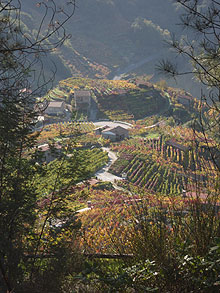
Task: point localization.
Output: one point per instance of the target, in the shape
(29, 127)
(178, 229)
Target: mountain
(112, 37)
(108, 33)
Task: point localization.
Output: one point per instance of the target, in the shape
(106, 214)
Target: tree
(21, 81)
(201, 18)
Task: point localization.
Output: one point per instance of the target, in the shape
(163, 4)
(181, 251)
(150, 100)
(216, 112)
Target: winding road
(156, 124)
(103, 174)
(131, 67)
(113, 124)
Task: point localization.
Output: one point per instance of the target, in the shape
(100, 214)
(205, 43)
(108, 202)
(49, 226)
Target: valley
(129, 42)
(109, 146)
(158, 156)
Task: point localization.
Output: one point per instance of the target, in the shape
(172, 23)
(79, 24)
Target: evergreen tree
(20, 61)
(201, 49)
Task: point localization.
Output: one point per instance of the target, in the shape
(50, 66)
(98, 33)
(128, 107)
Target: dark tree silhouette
(21, 81)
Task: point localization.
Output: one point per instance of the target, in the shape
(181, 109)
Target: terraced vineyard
(94, 159)
(133, 104)
(150, 174)
(113, 219)
(103, 85)
(65, 129)
(79, 165)
(162, 165)
(115, 99)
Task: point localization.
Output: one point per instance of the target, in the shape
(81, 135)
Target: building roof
(45, 147)
(82, 93)
(55, 104)
(101, 127)
(144, 83)
(108, 129)
(114, 128)
(177, 145)
(92, 181)
(108, 132)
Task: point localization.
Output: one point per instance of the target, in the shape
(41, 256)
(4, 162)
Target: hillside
(107, 35)
(128, 100)
(114, 100)
(112, 39)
